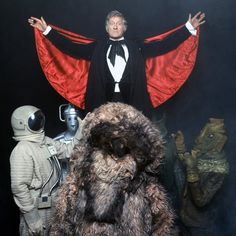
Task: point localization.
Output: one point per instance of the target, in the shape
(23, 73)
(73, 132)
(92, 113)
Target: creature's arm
(202, 185)
(163, 216)
(203, 190)
(179, 142)
(63, 221)
(188, 159)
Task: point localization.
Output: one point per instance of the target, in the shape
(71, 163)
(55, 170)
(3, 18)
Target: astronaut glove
(34, 222)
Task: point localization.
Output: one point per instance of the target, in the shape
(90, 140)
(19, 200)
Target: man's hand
(40, 24)
(197, 20)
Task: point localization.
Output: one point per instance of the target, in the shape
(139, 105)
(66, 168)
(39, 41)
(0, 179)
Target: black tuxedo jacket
(133, 85)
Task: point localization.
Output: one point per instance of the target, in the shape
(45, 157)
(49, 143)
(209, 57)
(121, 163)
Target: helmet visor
(36, 121)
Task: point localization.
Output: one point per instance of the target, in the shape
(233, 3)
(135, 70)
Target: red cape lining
(68, 76)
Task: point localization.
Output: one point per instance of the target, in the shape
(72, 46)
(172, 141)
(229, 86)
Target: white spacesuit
(68, 114)
(35, 170)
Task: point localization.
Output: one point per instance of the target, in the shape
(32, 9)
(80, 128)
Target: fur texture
(113, 188)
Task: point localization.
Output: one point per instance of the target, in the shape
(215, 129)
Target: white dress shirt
(119, 67)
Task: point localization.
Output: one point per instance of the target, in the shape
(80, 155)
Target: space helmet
(27, 120)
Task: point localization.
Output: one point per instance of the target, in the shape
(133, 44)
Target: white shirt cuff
(48, 29)
(191, 29)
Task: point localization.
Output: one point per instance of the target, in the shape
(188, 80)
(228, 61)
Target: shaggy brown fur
(112, 188)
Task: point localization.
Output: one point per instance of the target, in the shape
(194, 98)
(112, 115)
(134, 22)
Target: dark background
(209, 92)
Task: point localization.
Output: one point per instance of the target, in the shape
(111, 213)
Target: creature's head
(121, 141)
(212, 137)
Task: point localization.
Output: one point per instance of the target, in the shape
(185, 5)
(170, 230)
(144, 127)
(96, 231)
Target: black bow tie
(116, 49)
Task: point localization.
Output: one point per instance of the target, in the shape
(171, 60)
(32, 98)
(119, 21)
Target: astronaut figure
(35, 169)
(68, 114)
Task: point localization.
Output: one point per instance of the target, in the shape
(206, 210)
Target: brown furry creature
(112, 188)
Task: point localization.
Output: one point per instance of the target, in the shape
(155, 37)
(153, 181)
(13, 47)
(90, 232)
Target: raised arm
(84, 51)
(172, 41)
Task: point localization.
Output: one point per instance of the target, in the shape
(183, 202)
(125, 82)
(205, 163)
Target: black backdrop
(209, 92)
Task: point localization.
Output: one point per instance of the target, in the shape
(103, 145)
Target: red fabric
(167, 73)
(68, 76)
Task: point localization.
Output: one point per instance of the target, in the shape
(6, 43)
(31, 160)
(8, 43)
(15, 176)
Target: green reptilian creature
(206, 168)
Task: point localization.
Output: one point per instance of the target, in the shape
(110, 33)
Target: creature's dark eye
(211, 135)
(118, 148)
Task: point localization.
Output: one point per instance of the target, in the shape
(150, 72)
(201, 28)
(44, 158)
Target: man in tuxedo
(117, 65)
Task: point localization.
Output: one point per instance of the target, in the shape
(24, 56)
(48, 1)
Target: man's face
(115, 27)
